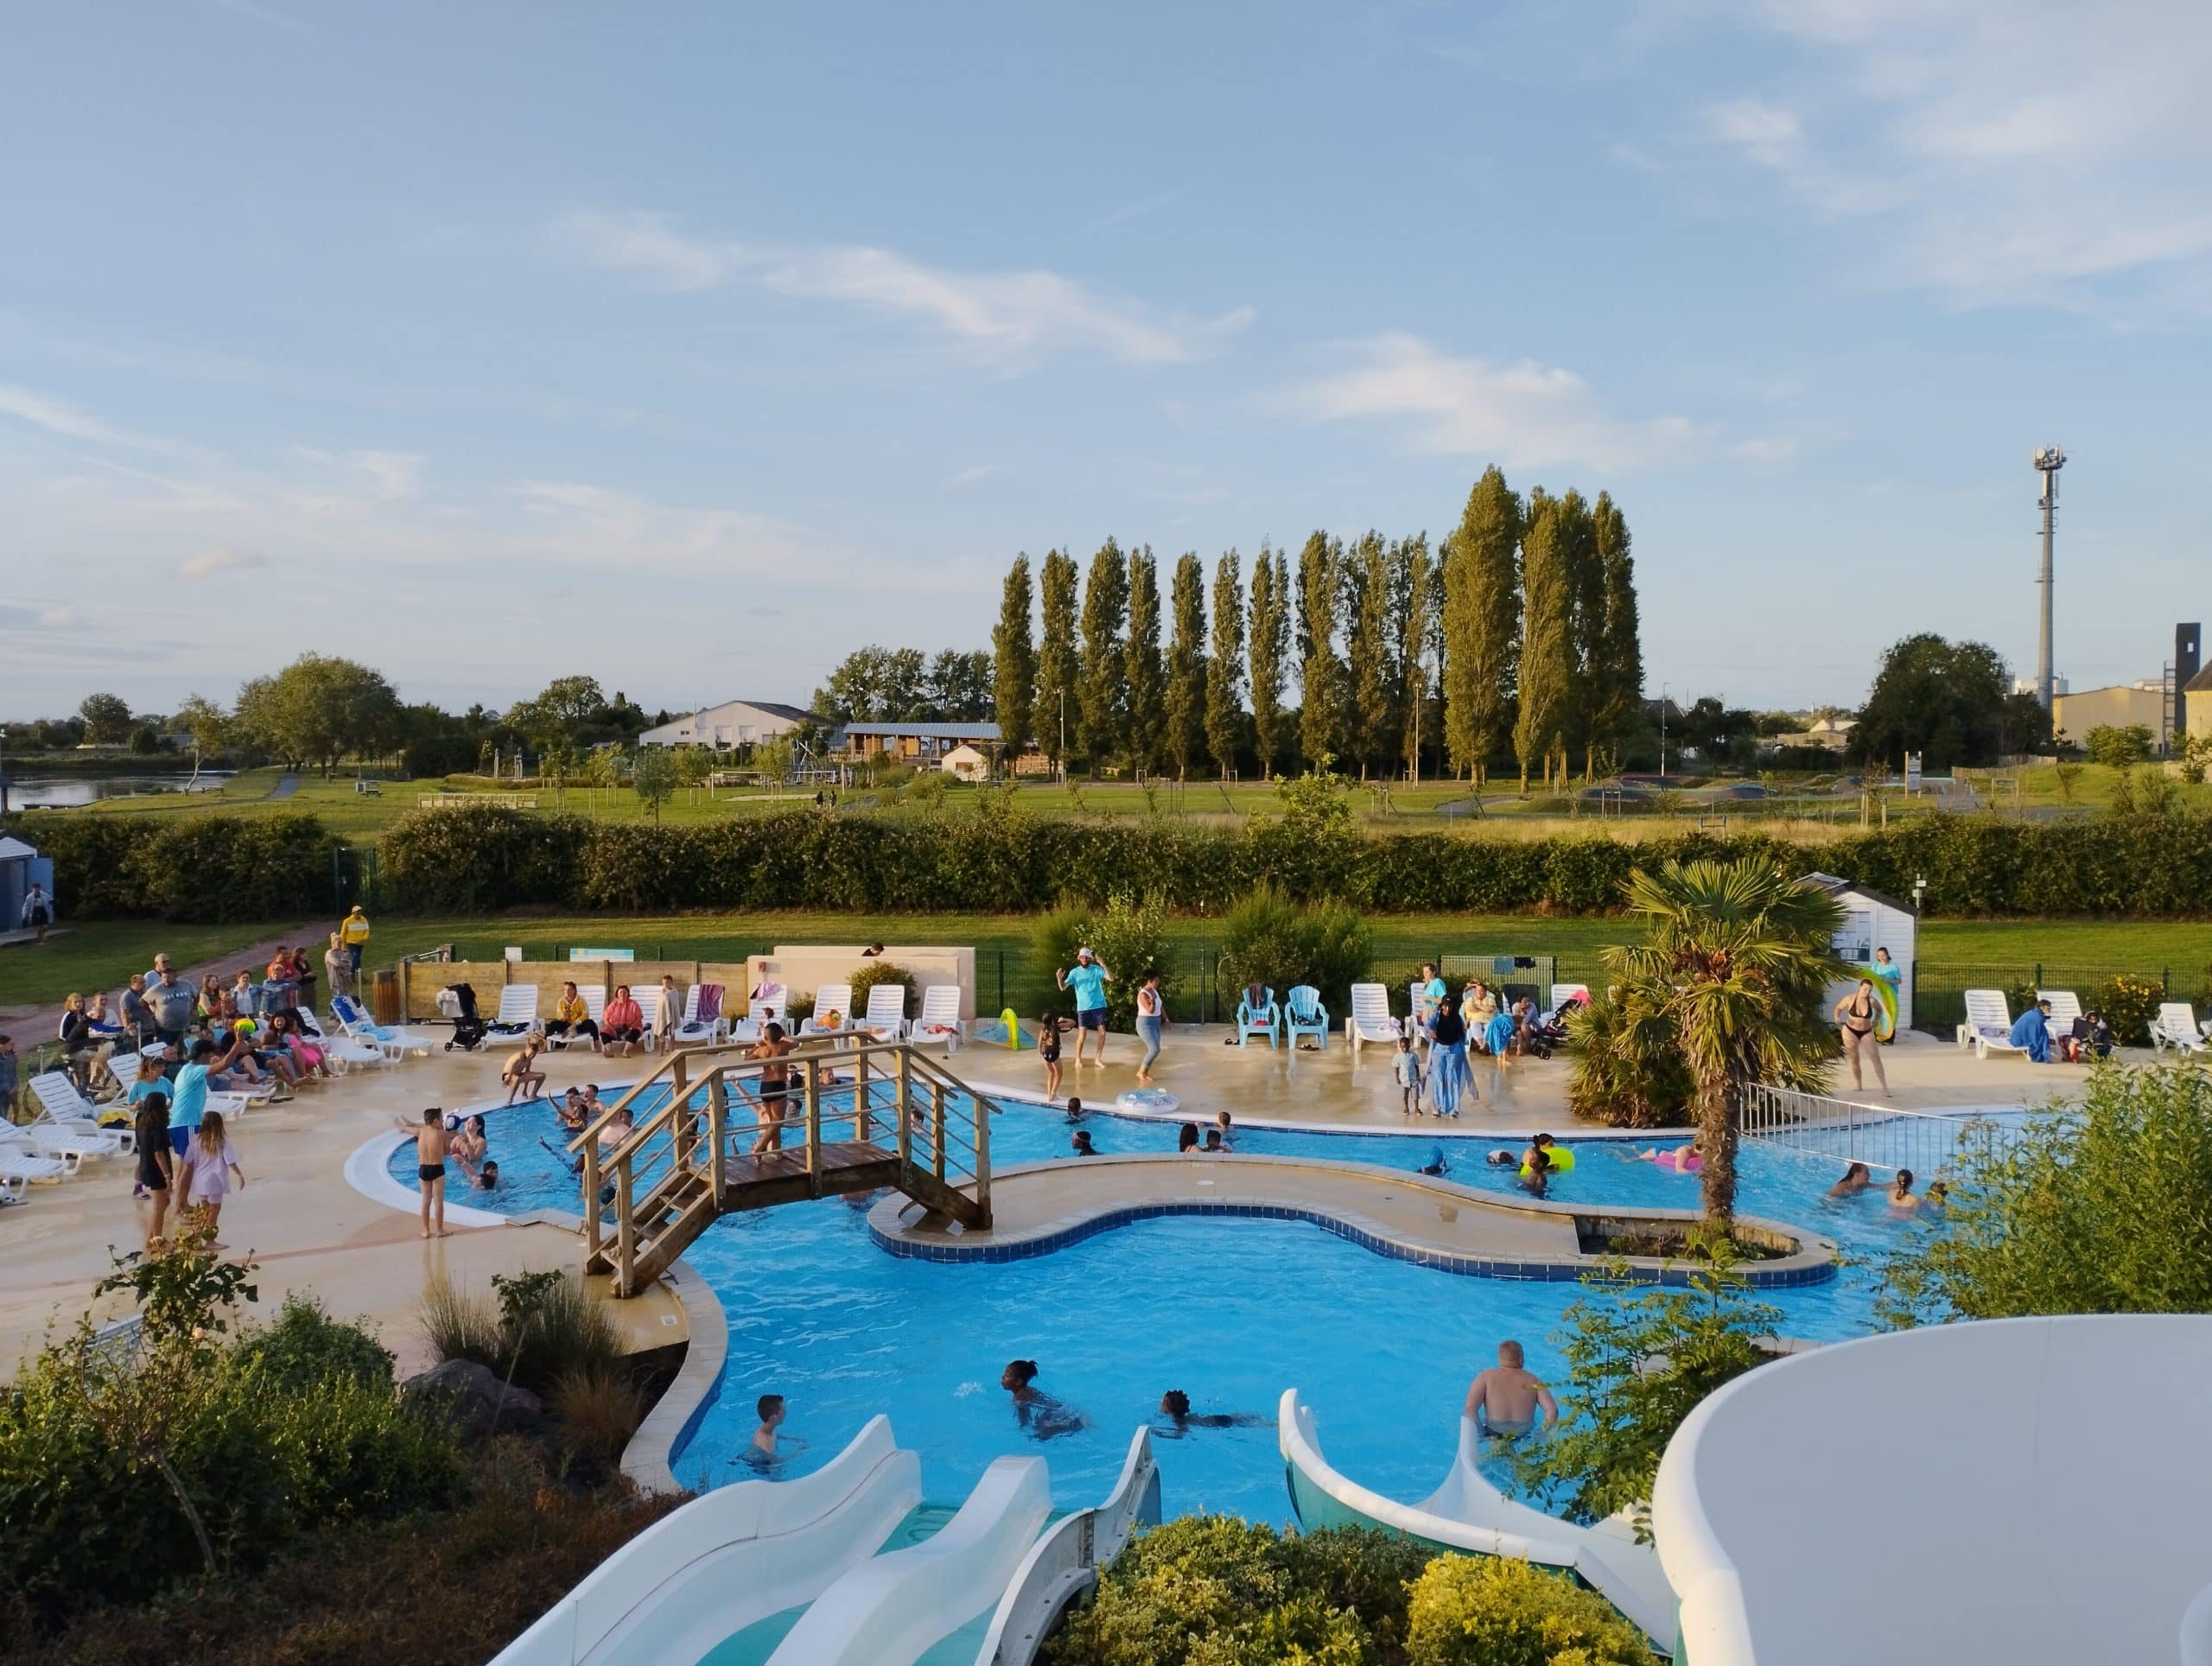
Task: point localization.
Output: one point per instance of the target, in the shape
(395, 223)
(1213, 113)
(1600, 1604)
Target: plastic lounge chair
(517, 1014)
(768, 1006)
(595, 1008)
(1988, 1027)
(703, 1015)
(887, 1013)
(1303, 1014)
(1265, 1018)
(833, 1011)
(340, 1052)
(1564, 995)
(2176, 1027)
(22, 1163)
(648, 1015)
(396, 1043)
(53, 1136)
(61, 1105)
(1370, 1018)
(939, 1020)
(13, 1188)
(2065, 1007)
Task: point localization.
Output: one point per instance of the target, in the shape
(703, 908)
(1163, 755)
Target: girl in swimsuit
(1041, 1417)
(1048, 1049)
(775, 1086)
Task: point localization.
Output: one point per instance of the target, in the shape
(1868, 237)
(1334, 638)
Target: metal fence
(1841, 1131)
(1939, 989)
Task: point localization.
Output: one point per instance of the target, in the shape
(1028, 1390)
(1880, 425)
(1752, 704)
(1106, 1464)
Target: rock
(474, 1399)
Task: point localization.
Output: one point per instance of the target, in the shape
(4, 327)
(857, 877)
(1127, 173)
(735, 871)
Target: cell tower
(2048, 460)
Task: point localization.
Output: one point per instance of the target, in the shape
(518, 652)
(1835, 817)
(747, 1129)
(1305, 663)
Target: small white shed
(1873, 919)
(965, 763)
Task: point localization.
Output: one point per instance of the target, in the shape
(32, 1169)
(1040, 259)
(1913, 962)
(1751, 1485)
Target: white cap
(1082, 954)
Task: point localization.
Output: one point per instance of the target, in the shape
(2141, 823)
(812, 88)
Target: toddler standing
(1406, 1068)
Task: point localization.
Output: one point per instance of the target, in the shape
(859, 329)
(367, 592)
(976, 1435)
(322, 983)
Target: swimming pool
(1230, 1311)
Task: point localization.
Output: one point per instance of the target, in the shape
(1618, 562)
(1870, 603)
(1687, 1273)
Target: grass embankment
(102, 954)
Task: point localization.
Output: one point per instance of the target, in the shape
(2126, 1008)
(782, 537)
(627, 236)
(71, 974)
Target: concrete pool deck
(312, 1231)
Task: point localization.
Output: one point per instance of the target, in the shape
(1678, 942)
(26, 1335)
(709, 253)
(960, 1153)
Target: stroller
(458, 1002)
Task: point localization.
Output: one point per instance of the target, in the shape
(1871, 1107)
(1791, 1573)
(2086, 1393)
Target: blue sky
(693, 345)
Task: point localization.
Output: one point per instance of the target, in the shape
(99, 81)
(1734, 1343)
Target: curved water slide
(2027, 1491)
(1467, 1514)
(1062, 1567)
(729, 1559)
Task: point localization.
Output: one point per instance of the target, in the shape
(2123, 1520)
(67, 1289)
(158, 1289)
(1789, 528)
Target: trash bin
(383, 998)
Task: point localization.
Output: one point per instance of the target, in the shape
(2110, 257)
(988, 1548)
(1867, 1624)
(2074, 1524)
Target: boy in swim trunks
(1507, 1400)
(430, 1166)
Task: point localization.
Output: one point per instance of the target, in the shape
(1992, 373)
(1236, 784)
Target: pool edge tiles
(1157, 1194)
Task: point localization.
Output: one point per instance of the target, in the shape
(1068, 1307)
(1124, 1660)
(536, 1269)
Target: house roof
(14, 849)
(1834, 885)
(929, 731)
(2200, 683)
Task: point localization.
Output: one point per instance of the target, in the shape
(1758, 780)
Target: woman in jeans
(1152, 1020)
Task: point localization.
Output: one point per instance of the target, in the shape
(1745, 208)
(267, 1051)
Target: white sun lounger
(341, 1051)
(63, 1109)
(1371, 1020)
(22, 1163)
(2176, 1027)
(2065, 1007)
(396, 1043)
(594, 1009)
(697, 1028)
(1988, 1027)
(517, 1014)
(887, 1013)
(939, 1019)
(832, 1002)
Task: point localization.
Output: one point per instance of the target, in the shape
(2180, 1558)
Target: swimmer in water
(1901, 1198)
(1536, 1173)
(1175, 1407)
(1437, 1163)
(1082, 1146)
(1938, 1195)
(1040, 1417)
(1502, 1159)
(1682, 1158)
(1509, 1400)
(769, 1446)
(1186, 1137)
(1856, 1180)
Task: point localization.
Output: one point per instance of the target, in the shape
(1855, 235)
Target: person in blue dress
(2031, 1032)
(1448, 1080)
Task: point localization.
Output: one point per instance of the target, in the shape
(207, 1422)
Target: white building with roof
(733, 724)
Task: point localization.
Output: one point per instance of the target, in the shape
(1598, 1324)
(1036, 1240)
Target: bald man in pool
(1509, 1400)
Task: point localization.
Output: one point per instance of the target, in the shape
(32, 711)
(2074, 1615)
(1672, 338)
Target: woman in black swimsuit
(1048, 1049)
(1856, 1014)
(775, 1087)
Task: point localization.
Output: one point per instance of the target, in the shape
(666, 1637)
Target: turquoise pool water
(1230, 1311)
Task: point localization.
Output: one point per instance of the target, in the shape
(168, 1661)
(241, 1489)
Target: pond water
(66, 792)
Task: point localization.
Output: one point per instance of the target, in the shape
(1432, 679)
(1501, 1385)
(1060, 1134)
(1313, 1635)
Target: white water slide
(2028, 1490)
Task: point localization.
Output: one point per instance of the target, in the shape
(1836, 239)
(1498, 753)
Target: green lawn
(101, 955)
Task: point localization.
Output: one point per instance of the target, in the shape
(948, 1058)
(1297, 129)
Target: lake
(47, 792)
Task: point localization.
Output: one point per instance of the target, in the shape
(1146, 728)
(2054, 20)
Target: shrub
(598, 1408)
(213, 868)
(1629, 1071)
(2096, 1208)
(306, 1346)
(1128, 935)
(1270, 940)
(2129, 1004)
(1490, 1611)
(545, 1323)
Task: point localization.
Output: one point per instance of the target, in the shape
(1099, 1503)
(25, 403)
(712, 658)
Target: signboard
(1912, 771)
(602, 954)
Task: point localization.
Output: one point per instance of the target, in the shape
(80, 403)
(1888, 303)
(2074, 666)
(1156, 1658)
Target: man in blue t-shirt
(1088, 979)
(189, 1102)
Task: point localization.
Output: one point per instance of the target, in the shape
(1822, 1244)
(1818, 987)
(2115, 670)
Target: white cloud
(57, 416)
(2022, 152)
(218, 559)
(1521, 414)
(1007, 315)
(970, 476)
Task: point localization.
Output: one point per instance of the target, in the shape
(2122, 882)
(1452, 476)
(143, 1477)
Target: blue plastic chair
(1265, 1020)
(1303, 1014)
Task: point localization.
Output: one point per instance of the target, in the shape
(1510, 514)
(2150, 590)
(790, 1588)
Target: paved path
(34, 1024)
(287, 786)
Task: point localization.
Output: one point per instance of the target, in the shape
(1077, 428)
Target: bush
(1270, 940)
(2129, 1005)
(1489, 1611)
(211, 868)
(545, 1323)
(883, 971)
(1129, 936)
(306, 1346)
(598, 1406)
(2097, 1208)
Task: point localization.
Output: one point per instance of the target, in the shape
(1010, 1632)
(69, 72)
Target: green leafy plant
(1494, 1610)
(1128, 935)
(306, 1346)
(539, 1325)
(1270, 940)
(2098, 1207)
(883, 971)
(1629, 1069)
(1640, 1358)
(2129, 1004)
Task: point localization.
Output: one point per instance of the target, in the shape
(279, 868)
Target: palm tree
(1737, 963)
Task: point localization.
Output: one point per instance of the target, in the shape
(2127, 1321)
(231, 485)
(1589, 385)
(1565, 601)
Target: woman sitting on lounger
(571, 1018)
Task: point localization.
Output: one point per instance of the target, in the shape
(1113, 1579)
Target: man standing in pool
(1088, 979)
(1509, 1400)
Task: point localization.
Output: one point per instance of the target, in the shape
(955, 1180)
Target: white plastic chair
(2176, 1027)
(833, 1011)
(22, 1163)
(886, 1012)
(697, 1026)
(939, 1019)
(1303, 1014)
(517, 1014)
(1370, 1018)
(1988, 1027)
(595, 1001)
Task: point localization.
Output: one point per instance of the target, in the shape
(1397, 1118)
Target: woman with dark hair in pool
(1856, 1180)
(1041, 1417)
(1175, 1407)
(1187, 1139)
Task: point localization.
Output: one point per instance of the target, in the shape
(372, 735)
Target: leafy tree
(1225, 665)
(957, 687)
(1147, 680)
(774, 758)
(319, 709)
(1413, 589)
(1269, 652)
(208, 725)
(1736, 961)
(1946, 701)
(1547, 644)
(1639, 1361)
(1056, 665)
(107, 719)
(1320, 673)
(2119, 747)
(877, 684)
(1482, 626)
(653, 777)
(1185, 712)
(1014, 663)
(2097, 1208)
(1585, 629)
(1619, 664)
(1369, 642)
(433, 741)
(1105, 611)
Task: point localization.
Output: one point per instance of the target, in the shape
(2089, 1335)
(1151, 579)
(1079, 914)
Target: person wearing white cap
(1088, 979)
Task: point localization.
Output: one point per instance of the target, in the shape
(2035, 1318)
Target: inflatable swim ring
(1562, 1162)
(1696, 1164)
(1885, 1021)
(1148, 1101)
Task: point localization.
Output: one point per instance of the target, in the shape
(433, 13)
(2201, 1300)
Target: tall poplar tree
(1370, 642)
(1320, 673)
(1621, 659)
(1482, 626)
(1105, 610)
(1013, 665)
(1585, 581)
(1147, 680)
(1414, 588)
(1056, 665)
(1547, 648)
(1225, 665)
(1185, 706)
(1270, 628)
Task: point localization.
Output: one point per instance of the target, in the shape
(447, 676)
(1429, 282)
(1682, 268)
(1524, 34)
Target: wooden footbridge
(704, 1141)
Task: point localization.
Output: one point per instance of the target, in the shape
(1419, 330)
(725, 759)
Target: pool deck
(311, 1230)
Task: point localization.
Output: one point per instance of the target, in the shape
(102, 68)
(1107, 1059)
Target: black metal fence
(1939, 988)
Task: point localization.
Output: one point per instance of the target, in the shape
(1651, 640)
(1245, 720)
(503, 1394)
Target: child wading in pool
(430, 1166)
(1406, 1068)
(767, 1445)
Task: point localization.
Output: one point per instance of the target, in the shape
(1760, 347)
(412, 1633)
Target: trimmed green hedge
(465, 861)
(209, 868)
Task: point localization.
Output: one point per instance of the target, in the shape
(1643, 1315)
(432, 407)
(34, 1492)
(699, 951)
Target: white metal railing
(1843, 1131)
